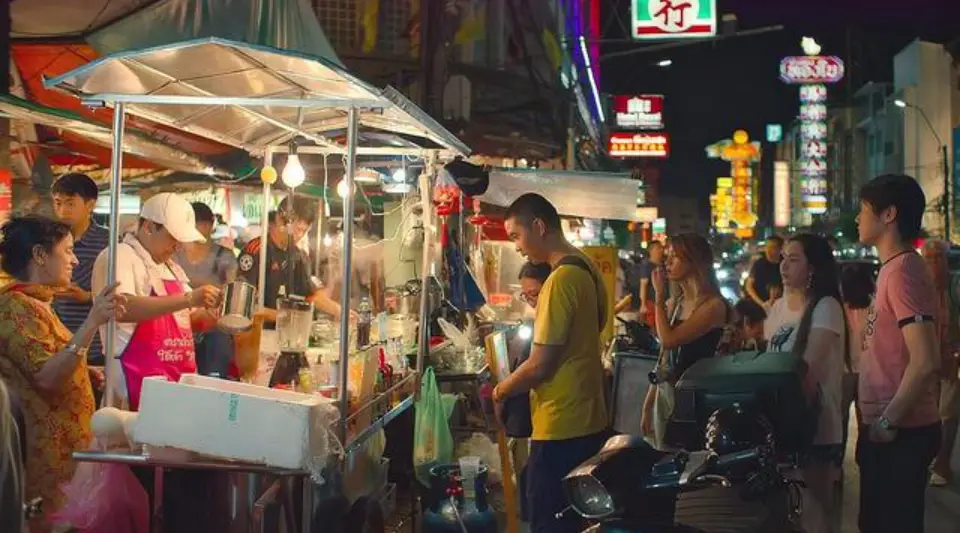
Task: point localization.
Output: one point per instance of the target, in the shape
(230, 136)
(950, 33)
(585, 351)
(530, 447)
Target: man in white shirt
(154, 336)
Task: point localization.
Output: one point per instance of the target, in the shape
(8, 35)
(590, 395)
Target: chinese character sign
(673, 19)
(624, 145)
(639, 112)
(812, 72)
(733, 202)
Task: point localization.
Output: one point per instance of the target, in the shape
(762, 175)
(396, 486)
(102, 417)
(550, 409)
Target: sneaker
(936, 480)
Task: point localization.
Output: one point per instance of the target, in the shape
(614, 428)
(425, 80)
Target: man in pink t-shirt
(899, 363)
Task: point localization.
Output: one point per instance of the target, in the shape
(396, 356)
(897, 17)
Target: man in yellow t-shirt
(564, 373)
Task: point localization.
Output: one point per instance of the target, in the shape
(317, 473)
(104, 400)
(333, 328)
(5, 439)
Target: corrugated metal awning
(247, 96)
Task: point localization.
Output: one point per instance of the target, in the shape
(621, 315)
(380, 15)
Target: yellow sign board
(606, 260)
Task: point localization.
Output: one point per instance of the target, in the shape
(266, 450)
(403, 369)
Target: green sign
(673, 19)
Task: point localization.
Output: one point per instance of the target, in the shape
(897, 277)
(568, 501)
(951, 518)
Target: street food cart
(274, 104)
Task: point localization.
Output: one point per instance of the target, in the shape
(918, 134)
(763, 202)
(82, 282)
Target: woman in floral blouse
(40, 360)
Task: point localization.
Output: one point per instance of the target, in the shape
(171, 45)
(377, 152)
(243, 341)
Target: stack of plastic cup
(469, 468)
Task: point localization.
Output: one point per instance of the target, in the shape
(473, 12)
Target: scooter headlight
(589, 497)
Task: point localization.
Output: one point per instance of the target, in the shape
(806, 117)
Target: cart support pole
(347, 270)
(116, 172)
(264, 235)
(423, 337)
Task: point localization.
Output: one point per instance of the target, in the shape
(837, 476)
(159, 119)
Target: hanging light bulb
(327, 240)
(400, 175)
(342, 190)
(293, 174)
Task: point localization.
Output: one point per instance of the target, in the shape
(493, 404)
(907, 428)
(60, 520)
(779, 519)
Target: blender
(294, 321)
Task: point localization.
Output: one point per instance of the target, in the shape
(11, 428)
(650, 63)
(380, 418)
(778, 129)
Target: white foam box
(228, 420)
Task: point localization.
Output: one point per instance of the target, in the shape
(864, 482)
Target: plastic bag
(433, 441)
(104, 498)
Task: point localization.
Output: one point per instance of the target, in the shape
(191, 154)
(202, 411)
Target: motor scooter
(630, 487)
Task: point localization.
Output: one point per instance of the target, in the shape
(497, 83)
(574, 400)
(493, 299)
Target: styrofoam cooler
(231, 420)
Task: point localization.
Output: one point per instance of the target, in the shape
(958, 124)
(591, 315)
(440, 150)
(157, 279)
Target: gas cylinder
(448, 505)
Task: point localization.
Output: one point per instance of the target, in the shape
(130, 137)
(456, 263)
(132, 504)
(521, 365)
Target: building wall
(923, 78)
(682, 215)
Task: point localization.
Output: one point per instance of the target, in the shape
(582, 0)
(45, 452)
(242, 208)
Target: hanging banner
(781, 194)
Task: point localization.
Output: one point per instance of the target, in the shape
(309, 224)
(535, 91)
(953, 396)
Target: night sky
(713, 88)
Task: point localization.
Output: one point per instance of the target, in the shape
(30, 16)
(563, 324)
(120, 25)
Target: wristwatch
(885, 424)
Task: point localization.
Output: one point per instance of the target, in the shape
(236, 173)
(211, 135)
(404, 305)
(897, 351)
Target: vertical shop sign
(6, 194)
(812, 72)
(606, 260)
(781, 194)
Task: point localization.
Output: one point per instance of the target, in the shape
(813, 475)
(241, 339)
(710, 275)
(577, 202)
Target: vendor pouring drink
(288, 270)
(154, 335)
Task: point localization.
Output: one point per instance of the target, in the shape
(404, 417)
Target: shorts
(949, 400)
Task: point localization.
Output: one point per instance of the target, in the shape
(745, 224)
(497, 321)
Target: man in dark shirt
(765, 272)
(640, 297)
(287, 266)
(74, 198)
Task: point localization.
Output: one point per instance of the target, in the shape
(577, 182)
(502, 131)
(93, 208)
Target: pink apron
(162, 346)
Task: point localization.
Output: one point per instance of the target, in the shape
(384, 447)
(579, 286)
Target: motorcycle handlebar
(687, 469)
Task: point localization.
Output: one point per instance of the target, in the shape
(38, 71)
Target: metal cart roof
(248, 96)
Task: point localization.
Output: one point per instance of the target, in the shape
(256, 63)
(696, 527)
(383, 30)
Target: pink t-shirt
(904, 294)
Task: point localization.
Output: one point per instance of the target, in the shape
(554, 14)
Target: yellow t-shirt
(571, 403)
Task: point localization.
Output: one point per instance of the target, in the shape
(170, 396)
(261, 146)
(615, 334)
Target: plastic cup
(469, 468)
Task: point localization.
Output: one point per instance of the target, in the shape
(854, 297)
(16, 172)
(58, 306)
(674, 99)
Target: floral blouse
(57, 424)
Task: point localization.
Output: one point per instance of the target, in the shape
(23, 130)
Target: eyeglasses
(529, 299)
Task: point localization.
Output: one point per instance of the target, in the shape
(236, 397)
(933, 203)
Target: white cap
(175, 214)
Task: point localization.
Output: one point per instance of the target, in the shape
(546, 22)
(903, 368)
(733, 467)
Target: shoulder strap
(579, 262)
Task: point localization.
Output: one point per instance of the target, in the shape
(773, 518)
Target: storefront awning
(253, 86)
(135, 143)
(597, 195)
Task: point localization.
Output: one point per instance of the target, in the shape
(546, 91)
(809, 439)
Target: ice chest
(234, 421)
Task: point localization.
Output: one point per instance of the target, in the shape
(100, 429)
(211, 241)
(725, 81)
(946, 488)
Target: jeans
(893, 479)
(549, 462)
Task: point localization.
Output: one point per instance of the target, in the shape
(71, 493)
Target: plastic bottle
(365, 312)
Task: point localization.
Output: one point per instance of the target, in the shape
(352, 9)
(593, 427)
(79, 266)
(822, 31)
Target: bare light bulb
(327, 240)
(293, 174)
(342, 190)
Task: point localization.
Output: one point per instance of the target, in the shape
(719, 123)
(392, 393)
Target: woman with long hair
(690, 324)
(948, 333)
(808, 322)
(42, 362)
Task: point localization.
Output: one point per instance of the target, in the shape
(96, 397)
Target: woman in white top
(809, 322)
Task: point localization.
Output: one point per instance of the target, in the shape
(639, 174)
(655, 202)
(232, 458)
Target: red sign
(626, 145)
(811, 69)
(639, 112)
(6, 194)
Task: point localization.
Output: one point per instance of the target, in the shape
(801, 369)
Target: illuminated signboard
(781, 194)
(624, 145)
(673, 19)
(774, 133)
(811, 69)
(640, 112)
(812, 72)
